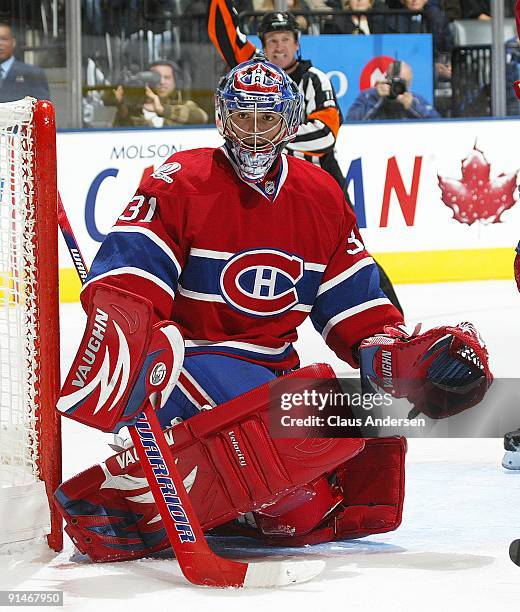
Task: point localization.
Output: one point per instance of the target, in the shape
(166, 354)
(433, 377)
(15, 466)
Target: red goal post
(30, 441)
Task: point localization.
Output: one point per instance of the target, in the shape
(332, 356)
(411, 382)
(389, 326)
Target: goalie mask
(258, 110)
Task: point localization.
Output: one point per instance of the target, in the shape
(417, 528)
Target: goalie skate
(511, 460)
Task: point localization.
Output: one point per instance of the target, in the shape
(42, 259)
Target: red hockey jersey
(238, 266)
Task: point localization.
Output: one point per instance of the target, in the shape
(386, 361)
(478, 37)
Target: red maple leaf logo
(475, 197)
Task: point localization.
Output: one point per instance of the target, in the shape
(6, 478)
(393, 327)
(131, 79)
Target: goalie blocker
(124, 357)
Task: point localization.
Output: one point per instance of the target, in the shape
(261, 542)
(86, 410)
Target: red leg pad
(229, 463)
(373, 489)
(321, 498)
(370, 487)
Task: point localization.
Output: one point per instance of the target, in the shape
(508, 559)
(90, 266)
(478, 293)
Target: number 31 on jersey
(135, 209)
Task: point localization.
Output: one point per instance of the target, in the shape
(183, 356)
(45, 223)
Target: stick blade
(282, 573)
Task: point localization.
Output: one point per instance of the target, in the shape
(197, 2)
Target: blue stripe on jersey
(518, 248)
(222, 378)
(134, 250)
(202, 275)
(347, 294)
(236, 352)
(308, 286)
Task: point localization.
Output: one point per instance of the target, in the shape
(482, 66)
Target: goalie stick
(199, 564)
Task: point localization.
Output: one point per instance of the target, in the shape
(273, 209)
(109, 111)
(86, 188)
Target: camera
(397, 87)
(135, 85)
(397, 84)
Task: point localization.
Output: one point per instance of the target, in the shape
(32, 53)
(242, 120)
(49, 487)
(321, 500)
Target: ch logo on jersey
(262, 282)
(258, 78)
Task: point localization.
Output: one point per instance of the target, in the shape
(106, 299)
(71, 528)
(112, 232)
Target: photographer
(153, 100)
(391, 98)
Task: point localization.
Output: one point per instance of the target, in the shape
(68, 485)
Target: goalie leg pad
(363, 496)
(373, 488)
(228, 461)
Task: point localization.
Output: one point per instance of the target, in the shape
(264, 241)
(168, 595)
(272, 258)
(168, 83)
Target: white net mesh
(18, 323)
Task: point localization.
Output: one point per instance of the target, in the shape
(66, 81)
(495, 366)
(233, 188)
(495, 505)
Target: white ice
(450, 553)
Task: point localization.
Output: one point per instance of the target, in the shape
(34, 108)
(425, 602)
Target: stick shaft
(71, 242)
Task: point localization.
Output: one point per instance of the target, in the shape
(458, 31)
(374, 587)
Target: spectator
(512, 75)
(397, 4)
(356, 24)
(451, 8)
(18, 79)
(322, 5)
(267, 6)
(163, 104)
(481, 9)
(391, 98)
(431, 20)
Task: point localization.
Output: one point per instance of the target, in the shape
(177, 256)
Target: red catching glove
(441, 372)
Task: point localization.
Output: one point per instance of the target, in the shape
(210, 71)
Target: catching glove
(441, 372)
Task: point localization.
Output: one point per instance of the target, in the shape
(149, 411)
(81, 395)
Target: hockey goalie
(193, 303)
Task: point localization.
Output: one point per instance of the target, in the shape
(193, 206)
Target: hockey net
(30, 444)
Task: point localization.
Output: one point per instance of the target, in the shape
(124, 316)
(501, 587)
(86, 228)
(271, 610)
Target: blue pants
(209, 380)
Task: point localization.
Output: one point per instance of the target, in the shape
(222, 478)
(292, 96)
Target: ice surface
(451, 552)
